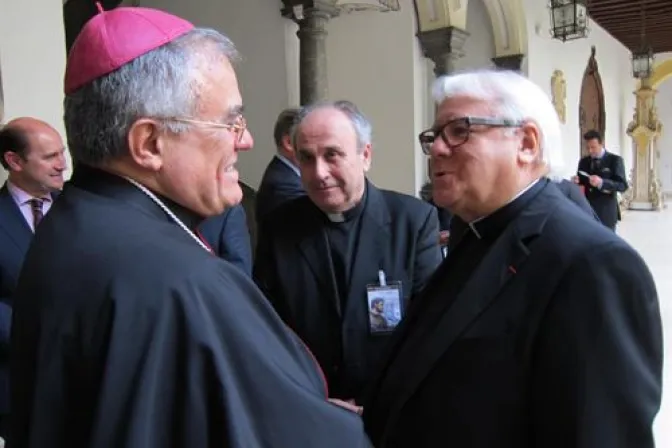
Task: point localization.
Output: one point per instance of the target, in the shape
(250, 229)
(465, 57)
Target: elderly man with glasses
(541, 329)
(128, 332)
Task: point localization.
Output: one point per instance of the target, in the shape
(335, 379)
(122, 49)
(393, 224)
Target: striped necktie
(38, 214)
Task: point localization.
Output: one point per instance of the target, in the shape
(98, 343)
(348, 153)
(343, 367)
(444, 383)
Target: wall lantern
(642, 63)
(569, 19)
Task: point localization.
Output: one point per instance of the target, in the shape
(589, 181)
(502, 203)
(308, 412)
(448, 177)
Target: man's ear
(530, 144)
(13, 160)
(146, 145)
(367, 153)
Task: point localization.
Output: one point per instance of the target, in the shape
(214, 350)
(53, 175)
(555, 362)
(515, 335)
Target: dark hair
(593, 135)
(284, 124)
(14, 140)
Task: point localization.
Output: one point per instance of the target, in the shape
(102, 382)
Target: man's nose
(438, 148)
(246, 143)
(321, 169)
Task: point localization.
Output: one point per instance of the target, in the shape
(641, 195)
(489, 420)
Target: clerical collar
(493, 224)
(351, 214)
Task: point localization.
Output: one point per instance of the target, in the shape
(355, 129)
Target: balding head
(33, 153)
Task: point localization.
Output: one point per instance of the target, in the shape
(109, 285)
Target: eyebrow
(235, 111)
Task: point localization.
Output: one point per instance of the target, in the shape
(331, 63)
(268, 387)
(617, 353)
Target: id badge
(385, 305)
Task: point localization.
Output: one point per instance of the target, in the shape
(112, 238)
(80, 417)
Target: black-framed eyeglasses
(456, 132)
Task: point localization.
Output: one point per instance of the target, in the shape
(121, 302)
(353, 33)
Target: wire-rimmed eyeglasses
(238, 127)
(456, 132)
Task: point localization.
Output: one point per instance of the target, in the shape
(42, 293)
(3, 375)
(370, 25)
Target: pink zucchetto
(113, 38)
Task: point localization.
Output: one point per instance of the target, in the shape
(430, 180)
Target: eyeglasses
(238, 127)
(456, 132)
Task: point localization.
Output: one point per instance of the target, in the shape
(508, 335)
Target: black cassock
(128, 334)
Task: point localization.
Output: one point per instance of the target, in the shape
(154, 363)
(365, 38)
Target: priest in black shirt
(326, 260)
(541, 328)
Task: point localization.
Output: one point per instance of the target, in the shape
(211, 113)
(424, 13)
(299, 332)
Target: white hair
(512, 97)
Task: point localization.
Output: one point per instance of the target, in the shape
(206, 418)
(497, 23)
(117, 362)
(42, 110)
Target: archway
(661, 72)
(509, 27)
(591, 106)
(506, 16)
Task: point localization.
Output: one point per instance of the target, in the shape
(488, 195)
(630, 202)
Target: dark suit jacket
(15, 238)
(572, 192)
(555, 341)
(399, 234)
(605, 200)
(228, 235)
(279, 184)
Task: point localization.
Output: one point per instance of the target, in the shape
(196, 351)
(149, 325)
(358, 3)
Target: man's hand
(348, 405)
(595, 181)
(575, 179)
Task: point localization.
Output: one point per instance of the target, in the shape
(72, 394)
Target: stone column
(444, 46)
(312, 18)
(645, 188)
(511, 62)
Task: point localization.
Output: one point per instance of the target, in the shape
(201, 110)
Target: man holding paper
(603, 175)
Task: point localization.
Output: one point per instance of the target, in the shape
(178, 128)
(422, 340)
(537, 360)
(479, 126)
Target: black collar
(107, 184)
(494, 224)
(353, 213)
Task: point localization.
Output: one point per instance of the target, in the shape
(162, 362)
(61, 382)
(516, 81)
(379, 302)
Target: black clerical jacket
(398, 234)
(604, 200)
(135, 336)
(552, 340)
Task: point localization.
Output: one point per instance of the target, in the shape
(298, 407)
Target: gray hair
(513, 97)
(360, 123)
(163, 83)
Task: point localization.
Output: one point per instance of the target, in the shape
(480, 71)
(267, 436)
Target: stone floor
(651, 234)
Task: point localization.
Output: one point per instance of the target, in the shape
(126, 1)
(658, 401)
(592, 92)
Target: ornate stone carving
(559, 94)
(626, 197)
(348, 6)
(644, 129)
(655, 191)
(443, 46)
(511, 62)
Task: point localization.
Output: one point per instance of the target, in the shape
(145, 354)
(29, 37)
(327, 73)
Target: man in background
(602, 174)
(33, 154)
(228, 235)
(281, 181)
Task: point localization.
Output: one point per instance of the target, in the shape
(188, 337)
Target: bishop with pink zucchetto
(127, 331)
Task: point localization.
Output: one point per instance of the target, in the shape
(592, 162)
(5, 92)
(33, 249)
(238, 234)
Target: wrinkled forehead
(326, 127)
(217, 90)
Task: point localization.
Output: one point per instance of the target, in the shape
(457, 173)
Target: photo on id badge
(385, 307)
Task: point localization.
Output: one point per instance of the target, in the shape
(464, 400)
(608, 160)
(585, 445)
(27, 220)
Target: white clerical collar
(520, 193)
(336, 217)
(289, 163)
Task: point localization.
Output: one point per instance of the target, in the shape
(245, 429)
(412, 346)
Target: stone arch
(506, 16)
(509, 26)
(661, 72)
